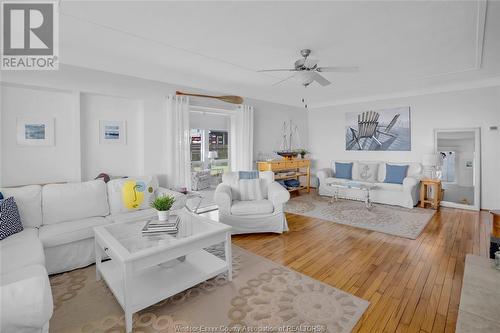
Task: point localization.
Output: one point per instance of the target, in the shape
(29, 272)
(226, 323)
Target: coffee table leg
(368, 202)
(229, 257)
(98, 259)
(335, 196)
(126, 300)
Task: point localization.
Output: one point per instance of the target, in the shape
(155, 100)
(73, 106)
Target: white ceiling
(218, 46)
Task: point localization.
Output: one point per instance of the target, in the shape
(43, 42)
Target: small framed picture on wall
(113, 132)
(35, 132)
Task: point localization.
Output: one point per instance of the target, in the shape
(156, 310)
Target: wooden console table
(296, 168)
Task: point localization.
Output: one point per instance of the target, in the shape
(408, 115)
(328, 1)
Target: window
(196, 145)
(204, 141)
(218, 141)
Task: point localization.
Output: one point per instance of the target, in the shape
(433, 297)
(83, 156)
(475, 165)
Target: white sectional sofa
(58, 221)
(404, 195)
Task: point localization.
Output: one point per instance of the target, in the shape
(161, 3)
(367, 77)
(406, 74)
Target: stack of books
(155, 227)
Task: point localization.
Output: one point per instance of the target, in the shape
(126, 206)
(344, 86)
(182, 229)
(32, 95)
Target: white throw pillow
(367, 172)
(250, 190)
(131, 194)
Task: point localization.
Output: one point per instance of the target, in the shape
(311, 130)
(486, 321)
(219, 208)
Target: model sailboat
(290, 141)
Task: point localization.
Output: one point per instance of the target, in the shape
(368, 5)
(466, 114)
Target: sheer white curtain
(242, 139)
(178, 142)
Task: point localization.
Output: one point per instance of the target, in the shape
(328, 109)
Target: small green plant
(163, 203)
(303, 152)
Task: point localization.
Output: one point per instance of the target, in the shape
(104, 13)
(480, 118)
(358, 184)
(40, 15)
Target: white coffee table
(144, 270)
(365, 188)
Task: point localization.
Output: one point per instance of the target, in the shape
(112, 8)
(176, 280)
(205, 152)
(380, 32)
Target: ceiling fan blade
(320, 79)
(285, 79)
(338, 69)
(277, 70)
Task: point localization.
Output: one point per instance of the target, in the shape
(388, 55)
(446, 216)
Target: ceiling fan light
(305, 78)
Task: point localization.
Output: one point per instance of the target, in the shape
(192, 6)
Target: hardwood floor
(412, 285)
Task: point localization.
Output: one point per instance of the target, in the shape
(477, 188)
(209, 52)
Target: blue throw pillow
(1, 196)
(343, 170)
(395, 174)
(10, 221)
(248, 174)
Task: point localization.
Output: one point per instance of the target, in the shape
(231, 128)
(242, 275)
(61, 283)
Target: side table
(435, 186)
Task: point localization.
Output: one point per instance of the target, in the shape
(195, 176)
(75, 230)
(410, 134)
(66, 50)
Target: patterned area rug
(392, 220)
(263, 296)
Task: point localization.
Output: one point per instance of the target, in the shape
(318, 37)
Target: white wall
(461, 109)
(76, 81)
(40, 164)
(112, 158)
(268, 124)
(209, 121)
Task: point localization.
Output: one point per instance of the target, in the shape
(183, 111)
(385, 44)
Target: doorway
(460, 167)
(210, 153)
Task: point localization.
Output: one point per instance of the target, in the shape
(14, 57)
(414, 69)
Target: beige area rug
(393, 220)
(263, 296)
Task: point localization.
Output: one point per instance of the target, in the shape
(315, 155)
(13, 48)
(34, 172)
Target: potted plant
(162, 204)
(303, 153)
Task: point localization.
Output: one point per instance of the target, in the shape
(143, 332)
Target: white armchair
(265, 215)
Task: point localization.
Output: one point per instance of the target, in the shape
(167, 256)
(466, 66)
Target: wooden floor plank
(412, 285)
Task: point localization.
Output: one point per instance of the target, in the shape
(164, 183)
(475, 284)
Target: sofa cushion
(64, 233)
(10, 221)
(20, 250)
(343, 170)
(131, 194)
(74, 201)
(139, 215)
(29, 203)
(26, 302)
(367, 172)
(395, 174)
(415, 169)
(252, 207)
(389, 187)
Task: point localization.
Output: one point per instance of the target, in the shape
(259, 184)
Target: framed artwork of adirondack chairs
(381, 130)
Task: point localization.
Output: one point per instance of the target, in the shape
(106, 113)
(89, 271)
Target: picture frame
(113, 132)
(386, 129)
(35, 131)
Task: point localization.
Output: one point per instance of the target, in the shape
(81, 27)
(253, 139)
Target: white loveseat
(58, 221)
(404, 195)
(265, 215)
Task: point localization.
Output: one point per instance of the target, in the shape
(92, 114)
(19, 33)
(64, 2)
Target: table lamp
(431, 162)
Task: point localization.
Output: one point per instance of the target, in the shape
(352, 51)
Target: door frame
(476, 181)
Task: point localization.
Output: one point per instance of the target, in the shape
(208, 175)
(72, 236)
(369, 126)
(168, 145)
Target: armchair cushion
(254, 207)
(250, 189)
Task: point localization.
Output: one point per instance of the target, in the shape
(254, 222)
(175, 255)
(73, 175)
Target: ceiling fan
(307, 70)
